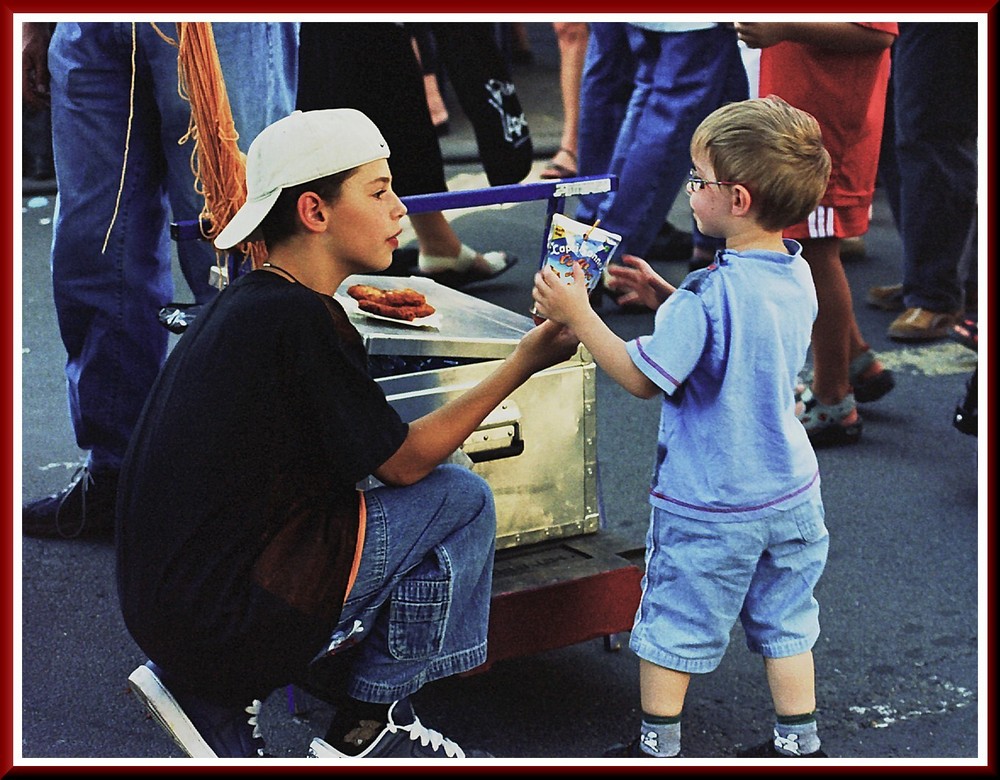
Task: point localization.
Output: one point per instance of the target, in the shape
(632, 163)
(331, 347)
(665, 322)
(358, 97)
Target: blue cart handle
(556, 191)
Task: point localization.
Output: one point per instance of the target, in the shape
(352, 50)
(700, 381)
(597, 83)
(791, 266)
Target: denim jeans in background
(929, 160)
(679, 79)
(107, 301)
(420, 603)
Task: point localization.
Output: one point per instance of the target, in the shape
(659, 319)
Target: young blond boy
(737, 528)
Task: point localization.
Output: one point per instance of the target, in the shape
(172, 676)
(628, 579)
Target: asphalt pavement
(902, 660)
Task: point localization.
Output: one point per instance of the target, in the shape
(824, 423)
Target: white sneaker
(404, 736)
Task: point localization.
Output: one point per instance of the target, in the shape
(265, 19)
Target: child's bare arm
(569, 305)
(837, 36)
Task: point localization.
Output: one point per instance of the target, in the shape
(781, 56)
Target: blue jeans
(419, 607)
(679, 79)
(929, 163)
(107, 301)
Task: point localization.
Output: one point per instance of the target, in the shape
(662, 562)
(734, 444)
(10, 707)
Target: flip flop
(557, 170)
(499, 262)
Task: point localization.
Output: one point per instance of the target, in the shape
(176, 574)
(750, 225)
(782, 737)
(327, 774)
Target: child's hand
(761, 35)
(637, 283)
(547, 344)
(557, 300)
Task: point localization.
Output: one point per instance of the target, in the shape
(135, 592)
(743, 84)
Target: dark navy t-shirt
(238, 513)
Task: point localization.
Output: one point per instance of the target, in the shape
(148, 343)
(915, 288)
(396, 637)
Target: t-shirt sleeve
(357, 428)
(679, 335)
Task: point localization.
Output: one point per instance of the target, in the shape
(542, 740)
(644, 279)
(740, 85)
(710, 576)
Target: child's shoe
(632, 750)
(768, 750)
(828, 424)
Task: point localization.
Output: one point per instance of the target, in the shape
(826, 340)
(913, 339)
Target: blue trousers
(929, 163)
(419, 607)
(107, 300)
(679, 78)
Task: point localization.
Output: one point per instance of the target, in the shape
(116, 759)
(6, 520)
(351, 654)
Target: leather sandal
(869, 387)
(918, 324)
(966, 333)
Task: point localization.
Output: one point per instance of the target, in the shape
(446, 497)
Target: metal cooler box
(538, 449)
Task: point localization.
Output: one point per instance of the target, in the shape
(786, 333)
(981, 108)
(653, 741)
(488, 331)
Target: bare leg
(435, 102)
(662, 690)
(438, 240)
(792, 681)
(572, 39)
(831, 336)
(435, 234)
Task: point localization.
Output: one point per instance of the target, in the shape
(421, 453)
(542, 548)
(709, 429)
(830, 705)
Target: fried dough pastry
(404, 297)
(365, 292)
(403, 304)
(408, 313)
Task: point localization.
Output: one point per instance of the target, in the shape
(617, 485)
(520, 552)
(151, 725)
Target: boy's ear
(741, 200)
(312, 212)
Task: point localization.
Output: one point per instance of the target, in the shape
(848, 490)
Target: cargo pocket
(811, 522)
(418, 612)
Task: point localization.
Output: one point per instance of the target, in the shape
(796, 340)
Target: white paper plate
(351, 307)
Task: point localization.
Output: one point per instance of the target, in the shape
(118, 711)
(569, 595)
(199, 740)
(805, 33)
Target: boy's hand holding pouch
(574, 246)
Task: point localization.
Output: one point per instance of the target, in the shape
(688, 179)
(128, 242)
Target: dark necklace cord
(279, 268)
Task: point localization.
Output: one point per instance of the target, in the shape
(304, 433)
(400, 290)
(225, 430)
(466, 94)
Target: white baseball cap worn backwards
(302, 147)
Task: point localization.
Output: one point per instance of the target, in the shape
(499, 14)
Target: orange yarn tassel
(218, 164)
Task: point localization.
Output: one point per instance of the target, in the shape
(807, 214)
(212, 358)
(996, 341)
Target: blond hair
(774, 150)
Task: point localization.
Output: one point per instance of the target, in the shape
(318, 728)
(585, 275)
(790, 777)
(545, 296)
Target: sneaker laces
(85, 479)
(437, 740)
(253, 710)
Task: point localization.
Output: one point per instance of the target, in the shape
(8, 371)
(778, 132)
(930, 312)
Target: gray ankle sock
(796, 739)
(660, 737)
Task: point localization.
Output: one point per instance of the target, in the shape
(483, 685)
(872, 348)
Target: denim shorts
(701, 576)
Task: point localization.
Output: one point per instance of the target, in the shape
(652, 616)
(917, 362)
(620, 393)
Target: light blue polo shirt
(726, 350)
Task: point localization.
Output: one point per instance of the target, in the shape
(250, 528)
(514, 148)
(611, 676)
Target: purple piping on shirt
(648, 359)
(738, 509)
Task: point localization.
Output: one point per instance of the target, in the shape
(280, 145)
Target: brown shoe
(922, 325)
(851, 248)
(888, 297)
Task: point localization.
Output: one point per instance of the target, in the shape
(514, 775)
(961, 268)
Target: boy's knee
(471, 493)
(464, 481)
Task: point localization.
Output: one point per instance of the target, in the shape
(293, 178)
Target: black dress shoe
(85, 508)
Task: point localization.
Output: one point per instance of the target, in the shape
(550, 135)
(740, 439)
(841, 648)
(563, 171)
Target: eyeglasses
(696, 183)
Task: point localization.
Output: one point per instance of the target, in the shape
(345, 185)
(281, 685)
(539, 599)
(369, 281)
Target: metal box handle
(498, 436)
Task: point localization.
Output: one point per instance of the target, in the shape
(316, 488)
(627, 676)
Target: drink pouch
(575, 243)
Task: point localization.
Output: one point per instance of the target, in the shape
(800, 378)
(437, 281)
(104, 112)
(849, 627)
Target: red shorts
(832, 222)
